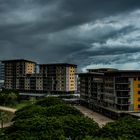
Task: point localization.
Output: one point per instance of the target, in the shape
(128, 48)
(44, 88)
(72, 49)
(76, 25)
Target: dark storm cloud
(75, 31)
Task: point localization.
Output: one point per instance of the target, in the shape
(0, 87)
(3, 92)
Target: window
(138, 99)
(139, 106)
(138, 85)
(138, 92)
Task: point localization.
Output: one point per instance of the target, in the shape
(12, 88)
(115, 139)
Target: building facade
(14, 69)
(110, 91)
(27, 76)
(60, 77)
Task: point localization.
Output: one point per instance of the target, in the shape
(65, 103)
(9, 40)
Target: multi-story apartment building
(110, 91)
(27, 76)
(15, 69)
(61, 77)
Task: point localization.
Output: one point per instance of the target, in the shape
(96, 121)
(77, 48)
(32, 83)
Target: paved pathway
(6, 125)
(8, 109)
(99, 118)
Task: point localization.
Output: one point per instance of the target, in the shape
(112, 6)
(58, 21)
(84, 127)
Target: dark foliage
(9, 97)
(70, 126)
(126, 128)
(51, 119)
(52, 111)
(49, 101)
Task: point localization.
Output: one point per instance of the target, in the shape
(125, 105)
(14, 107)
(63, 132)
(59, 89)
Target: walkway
(8, 109)
(6, 125)
(99, 118)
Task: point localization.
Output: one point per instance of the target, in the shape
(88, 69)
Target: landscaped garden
(51, 119)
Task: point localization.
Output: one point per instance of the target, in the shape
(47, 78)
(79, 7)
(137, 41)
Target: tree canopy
(9, 97)
(51, 111)
(49, 101)
(52, 119)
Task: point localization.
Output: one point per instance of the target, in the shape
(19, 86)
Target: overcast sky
(89, 33)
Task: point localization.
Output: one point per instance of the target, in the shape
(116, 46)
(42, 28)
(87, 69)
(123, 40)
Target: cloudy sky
(89, 33)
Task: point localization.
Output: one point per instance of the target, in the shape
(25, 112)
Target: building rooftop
(102, 69)
(17, 60)
(124, 72)
(91, 73)
(112, 70)
(109, 72)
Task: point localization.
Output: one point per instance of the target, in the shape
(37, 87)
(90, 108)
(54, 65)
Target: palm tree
(3, 118)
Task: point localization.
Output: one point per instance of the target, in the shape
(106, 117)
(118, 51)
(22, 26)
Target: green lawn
(22, 104)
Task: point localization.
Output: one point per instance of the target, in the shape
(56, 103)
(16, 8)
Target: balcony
(120, 83)
(128, 96)
(123, 103)
(122, 88)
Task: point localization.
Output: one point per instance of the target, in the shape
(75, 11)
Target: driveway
(99, 118)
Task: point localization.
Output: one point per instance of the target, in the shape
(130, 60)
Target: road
(100, 119)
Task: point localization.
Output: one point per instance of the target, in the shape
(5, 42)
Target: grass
(22, 104)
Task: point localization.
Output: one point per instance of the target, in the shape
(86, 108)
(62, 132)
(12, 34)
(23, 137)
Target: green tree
(9, 97)
(74, 127)
(52, 119)
(52, 111)
(29, 112)
(126, 128)
(49, 101)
